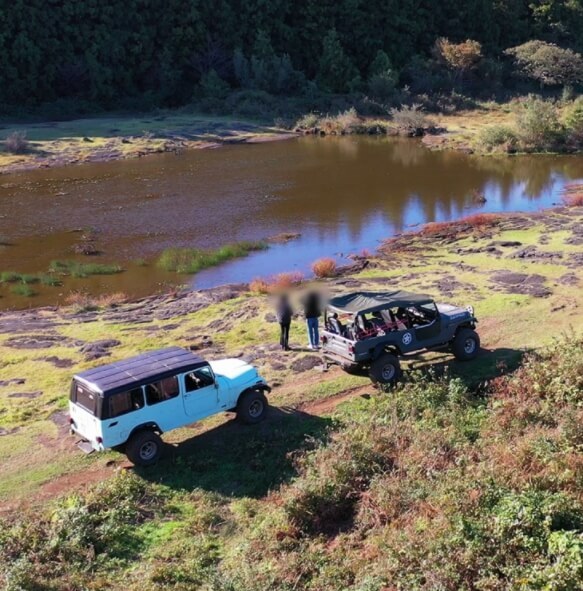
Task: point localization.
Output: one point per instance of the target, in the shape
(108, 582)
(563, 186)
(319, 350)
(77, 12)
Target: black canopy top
(371, 301)
(139, 370)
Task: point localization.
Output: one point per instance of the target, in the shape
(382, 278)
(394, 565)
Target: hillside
(455, 480)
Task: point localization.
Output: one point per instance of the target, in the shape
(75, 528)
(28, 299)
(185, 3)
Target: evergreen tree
(382, 79)
(336, 71)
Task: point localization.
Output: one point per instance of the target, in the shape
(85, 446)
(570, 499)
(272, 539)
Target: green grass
(193, 260)
(49, 280)
(23, 290)
(10, 277)
(80, 270)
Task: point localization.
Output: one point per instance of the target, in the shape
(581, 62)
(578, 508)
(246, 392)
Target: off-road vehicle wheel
(144, 448)
(252, 407)
(466, 344)
(385, 370)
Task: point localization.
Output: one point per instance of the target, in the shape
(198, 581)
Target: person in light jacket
(312, 313)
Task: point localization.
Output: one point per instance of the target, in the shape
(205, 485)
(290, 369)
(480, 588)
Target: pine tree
(336, 72)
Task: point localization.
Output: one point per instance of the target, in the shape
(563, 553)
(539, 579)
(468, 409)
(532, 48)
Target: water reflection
(342, 193)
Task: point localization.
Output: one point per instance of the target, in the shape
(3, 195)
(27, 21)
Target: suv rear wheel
(466, 344)
(144, 448)
(252, 407)
(385, 370)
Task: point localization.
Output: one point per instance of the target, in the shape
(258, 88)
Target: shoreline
(104, 139)
(55, 144)
(514, 268)
(473, 225)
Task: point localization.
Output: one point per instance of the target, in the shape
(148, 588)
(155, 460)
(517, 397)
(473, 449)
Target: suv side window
(199, 378)
(124, 402)
(162, 390)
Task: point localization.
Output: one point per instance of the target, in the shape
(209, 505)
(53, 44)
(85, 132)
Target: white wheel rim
(469, 346)
(256, 408)
(148, 450)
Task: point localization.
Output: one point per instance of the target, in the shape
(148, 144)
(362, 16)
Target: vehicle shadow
(489, 364)
(239, 460)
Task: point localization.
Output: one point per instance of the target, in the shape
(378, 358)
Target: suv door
(428, 331)
(200, 393)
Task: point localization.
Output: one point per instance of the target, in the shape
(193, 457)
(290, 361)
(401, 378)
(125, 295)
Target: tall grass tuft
(573, 195)
(325, 267)
(16, 143)
(277, 283)
(22, 289)
(75, 269)
(193, 260)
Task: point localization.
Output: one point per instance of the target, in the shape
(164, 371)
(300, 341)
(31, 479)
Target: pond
(342, 194)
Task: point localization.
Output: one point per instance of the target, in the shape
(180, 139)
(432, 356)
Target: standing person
(284, 313)
(312, 313)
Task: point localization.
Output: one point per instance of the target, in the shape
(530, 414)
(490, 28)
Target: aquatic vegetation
(193, 260)
(22, 289)
(76, 269)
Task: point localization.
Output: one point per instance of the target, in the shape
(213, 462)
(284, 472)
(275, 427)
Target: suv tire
(385, 370)
(144, 448)
(466, 344)
(252, 407)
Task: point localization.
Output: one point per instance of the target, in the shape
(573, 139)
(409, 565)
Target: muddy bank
(55, 144)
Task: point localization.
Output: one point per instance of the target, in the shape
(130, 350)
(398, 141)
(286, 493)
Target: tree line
(124, 53)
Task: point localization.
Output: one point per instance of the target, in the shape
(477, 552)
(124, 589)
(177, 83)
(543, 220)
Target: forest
(142, 54)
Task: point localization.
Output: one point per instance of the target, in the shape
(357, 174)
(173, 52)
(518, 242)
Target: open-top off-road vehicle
(371, 330)
(128, 404)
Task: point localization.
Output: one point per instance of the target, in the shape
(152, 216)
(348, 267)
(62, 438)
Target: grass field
(306, 500)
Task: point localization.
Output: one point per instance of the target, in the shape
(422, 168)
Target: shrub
(574, 122)
(573, 195)
(85, 302)
(307, 121)
(547, 63)
(537, 123)
(193, 260)
(16, 143)
(410, 119)
(494, 136)
(325, 267)
(460, 58)
(213, 86)
(279, 282)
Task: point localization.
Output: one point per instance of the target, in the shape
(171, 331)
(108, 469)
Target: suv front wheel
(466, 344)
(252, 407)
(385, 370)
(144, 448)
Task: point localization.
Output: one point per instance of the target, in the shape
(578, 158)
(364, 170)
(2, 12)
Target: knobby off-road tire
(386, 370)
(466, 344)
(144, 448)
(252, 407)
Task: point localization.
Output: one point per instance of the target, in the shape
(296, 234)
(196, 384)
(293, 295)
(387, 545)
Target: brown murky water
(343, 195)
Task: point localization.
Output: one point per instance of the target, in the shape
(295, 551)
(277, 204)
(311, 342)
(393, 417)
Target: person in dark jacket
(284, 313)
(312, 313)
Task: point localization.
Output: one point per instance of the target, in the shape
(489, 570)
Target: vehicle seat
(336, 325)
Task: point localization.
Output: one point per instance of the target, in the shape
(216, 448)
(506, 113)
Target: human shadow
(239, 460)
